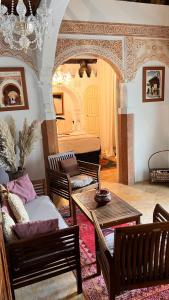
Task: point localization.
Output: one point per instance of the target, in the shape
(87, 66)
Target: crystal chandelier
(23, 32)
(61, 78)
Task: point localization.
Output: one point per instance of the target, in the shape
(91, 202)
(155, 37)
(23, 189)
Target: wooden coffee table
(116, 212)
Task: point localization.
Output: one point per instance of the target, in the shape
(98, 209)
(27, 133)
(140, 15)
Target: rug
(107, 163)
(95, 289)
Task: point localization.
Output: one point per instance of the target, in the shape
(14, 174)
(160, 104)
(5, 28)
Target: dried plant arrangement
(9, 144)
(27, 137)
(7, 148)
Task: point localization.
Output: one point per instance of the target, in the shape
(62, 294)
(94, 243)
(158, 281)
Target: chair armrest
(30, 255)
(59, 183)
(40, 186)
(90, 169)
(160, 214)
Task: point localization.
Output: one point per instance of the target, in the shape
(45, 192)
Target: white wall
(35, 163)
(117, 12)
(151, 123)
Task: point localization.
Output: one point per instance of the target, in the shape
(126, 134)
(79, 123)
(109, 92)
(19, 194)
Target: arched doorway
(91, 104)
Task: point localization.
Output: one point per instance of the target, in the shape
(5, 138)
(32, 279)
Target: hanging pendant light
(23, 32)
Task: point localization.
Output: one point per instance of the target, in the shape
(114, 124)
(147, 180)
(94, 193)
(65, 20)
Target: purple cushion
(70, 166)
(22, 187)
(35, 228)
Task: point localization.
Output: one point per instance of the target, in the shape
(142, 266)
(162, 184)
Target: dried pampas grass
(7, 148)
(27, 137)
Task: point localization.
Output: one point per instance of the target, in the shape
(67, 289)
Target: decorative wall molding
(108, 50)
(128, 58)
(149, 49)
(100, 28)
(28, 58)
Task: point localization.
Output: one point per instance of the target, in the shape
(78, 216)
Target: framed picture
(13, 93)
(153, 84)
(58, 104)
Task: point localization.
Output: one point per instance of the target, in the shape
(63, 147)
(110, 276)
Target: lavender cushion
(32, 229)
(70, 166)
(22, 187)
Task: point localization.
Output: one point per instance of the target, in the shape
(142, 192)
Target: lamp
(23, 32)
(84, 67)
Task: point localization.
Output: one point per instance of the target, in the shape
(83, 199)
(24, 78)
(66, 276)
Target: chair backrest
(141, 255)
(56, 158)
(160, 214)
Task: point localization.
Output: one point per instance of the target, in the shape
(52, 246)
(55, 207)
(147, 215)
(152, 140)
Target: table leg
(138, 221)
(74, 213)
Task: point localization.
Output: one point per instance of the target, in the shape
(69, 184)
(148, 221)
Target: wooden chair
(35, 259)
(59, 183)
(140, 256)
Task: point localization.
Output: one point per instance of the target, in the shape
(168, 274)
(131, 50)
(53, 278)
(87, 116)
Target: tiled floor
(142, 196)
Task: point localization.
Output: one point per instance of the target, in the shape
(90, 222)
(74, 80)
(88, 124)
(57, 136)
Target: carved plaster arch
(97, 51)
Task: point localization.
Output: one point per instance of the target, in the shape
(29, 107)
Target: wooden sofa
(36, 259)
(138, 256)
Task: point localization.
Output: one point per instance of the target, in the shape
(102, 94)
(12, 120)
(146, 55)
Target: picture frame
(153, 84)
(58, 101)
(13, 92)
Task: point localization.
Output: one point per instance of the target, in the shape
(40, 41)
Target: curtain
(107, 100)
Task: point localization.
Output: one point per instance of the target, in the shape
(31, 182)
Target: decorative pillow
(70, 166)
(31, 229)
(4, 178)
(8, 224)
(22, 187)
(80, 181)
(18, 208)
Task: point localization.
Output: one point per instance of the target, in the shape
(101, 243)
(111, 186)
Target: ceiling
(163, 2)
(34, 3)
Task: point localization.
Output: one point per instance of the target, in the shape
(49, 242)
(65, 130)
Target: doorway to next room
(86, 93)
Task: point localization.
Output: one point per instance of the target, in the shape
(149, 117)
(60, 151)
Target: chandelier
(60, 77)
(23, 32)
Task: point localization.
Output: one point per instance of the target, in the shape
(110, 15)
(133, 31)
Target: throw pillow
(18, 208)
(8, 224)
(70, 166)
(32, 229)
(80, 181)
(22, 187)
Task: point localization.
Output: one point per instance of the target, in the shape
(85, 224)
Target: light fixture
(60, 77)
(23, 31)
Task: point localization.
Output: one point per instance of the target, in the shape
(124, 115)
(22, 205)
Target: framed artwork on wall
(153, 84)
(13, 92)
(58, 103)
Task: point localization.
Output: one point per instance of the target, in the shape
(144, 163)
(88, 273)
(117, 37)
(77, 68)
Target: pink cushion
(22, 187)
(35, 228)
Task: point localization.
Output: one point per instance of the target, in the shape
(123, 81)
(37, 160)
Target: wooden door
(5, 291)
(91, 110)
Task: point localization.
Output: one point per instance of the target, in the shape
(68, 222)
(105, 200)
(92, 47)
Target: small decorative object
(9, 145)
(103, 196)
(159, 174)
(13, 93)
(153, 84)
(58, 104)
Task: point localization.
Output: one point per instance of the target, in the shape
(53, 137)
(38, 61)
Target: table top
(115, 212)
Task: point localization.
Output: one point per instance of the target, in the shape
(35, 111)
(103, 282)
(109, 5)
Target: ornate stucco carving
(28, 57)
(128, 58)
(109, 50)
(100, 28)
(150, 49)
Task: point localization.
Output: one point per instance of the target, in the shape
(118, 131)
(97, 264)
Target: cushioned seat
(79, 181)
(109, 239)
(42, 208)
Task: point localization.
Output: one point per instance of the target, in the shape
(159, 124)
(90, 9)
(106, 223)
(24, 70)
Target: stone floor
(143, 196)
